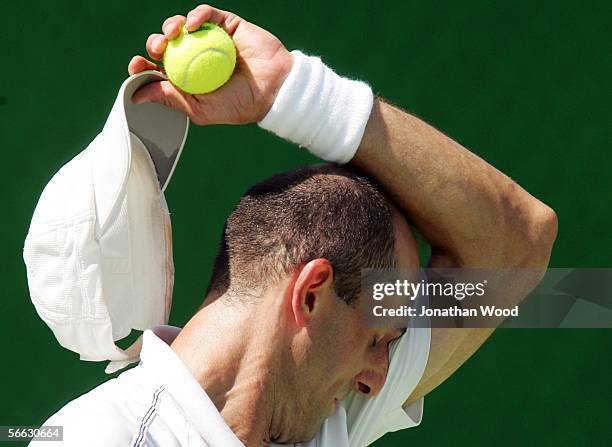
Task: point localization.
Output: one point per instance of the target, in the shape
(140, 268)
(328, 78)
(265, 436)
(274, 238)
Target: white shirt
(159, 403)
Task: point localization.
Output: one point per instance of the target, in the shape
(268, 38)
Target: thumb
(163, 92)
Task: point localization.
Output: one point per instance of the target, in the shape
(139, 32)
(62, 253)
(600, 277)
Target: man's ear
(313, 282)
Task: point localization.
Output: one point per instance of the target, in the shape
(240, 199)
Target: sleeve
(368, 419)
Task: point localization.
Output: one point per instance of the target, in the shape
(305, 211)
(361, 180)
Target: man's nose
(371, 379)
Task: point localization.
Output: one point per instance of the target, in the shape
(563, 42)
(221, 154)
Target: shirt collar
(159, 359)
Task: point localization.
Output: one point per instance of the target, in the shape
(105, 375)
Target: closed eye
(375, 341)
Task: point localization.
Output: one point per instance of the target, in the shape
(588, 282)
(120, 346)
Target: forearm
(468, 210)
(472, 215)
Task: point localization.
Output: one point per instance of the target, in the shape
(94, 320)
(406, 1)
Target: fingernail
(191, 23)
(158, 44)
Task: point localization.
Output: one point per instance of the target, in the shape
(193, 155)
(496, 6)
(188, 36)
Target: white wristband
(317, 109)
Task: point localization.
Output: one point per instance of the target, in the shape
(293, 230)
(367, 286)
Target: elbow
(546, 227)
(540, 235)
(550, 227)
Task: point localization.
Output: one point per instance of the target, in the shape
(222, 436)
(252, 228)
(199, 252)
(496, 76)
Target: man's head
(323, 211)
(301, 239)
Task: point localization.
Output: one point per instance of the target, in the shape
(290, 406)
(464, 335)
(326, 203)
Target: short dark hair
(322, 211)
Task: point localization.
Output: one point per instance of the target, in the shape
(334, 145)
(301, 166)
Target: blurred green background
(525, 85)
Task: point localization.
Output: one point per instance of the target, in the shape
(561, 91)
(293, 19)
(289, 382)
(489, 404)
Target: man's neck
(234, 354)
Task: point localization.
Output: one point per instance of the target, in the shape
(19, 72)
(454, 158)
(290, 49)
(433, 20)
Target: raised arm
(472, 215)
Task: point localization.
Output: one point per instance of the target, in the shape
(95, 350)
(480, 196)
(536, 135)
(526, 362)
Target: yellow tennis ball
(200, 61)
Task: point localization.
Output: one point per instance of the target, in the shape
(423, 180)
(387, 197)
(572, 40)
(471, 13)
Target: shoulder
(107, 415)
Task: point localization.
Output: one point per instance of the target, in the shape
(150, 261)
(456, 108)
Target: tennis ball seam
(183, 67)
(196, 56)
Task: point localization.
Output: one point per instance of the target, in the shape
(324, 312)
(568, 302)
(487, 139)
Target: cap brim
(161, 129)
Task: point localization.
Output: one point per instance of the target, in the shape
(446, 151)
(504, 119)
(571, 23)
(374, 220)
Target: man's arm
(472, 215)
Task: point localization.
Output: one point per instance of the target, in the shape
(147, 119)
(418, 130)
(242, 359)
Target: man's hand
(261, 67)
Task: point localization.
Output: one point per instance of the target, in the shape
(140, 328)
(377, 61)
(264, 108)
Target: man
(278, 353)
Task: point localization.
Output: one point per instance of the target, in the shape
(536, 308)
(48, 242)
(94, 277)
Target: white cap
(99, 249)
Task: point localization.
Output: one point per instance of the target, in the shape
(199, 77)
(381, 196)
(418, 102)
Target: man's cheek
(351, 362)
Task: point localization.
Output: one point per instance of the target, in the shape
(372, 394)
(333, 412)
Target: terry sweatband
(317, 109)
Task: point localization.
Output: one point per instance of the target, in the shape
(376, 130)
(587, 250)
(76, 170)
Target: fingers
(206, 13)
(156, 45)
(172, 26)
(139, 63)
(163, 92)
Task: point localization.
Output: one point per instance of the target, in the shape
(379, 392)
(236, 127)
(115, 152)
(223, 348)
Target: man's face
(343, 354)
